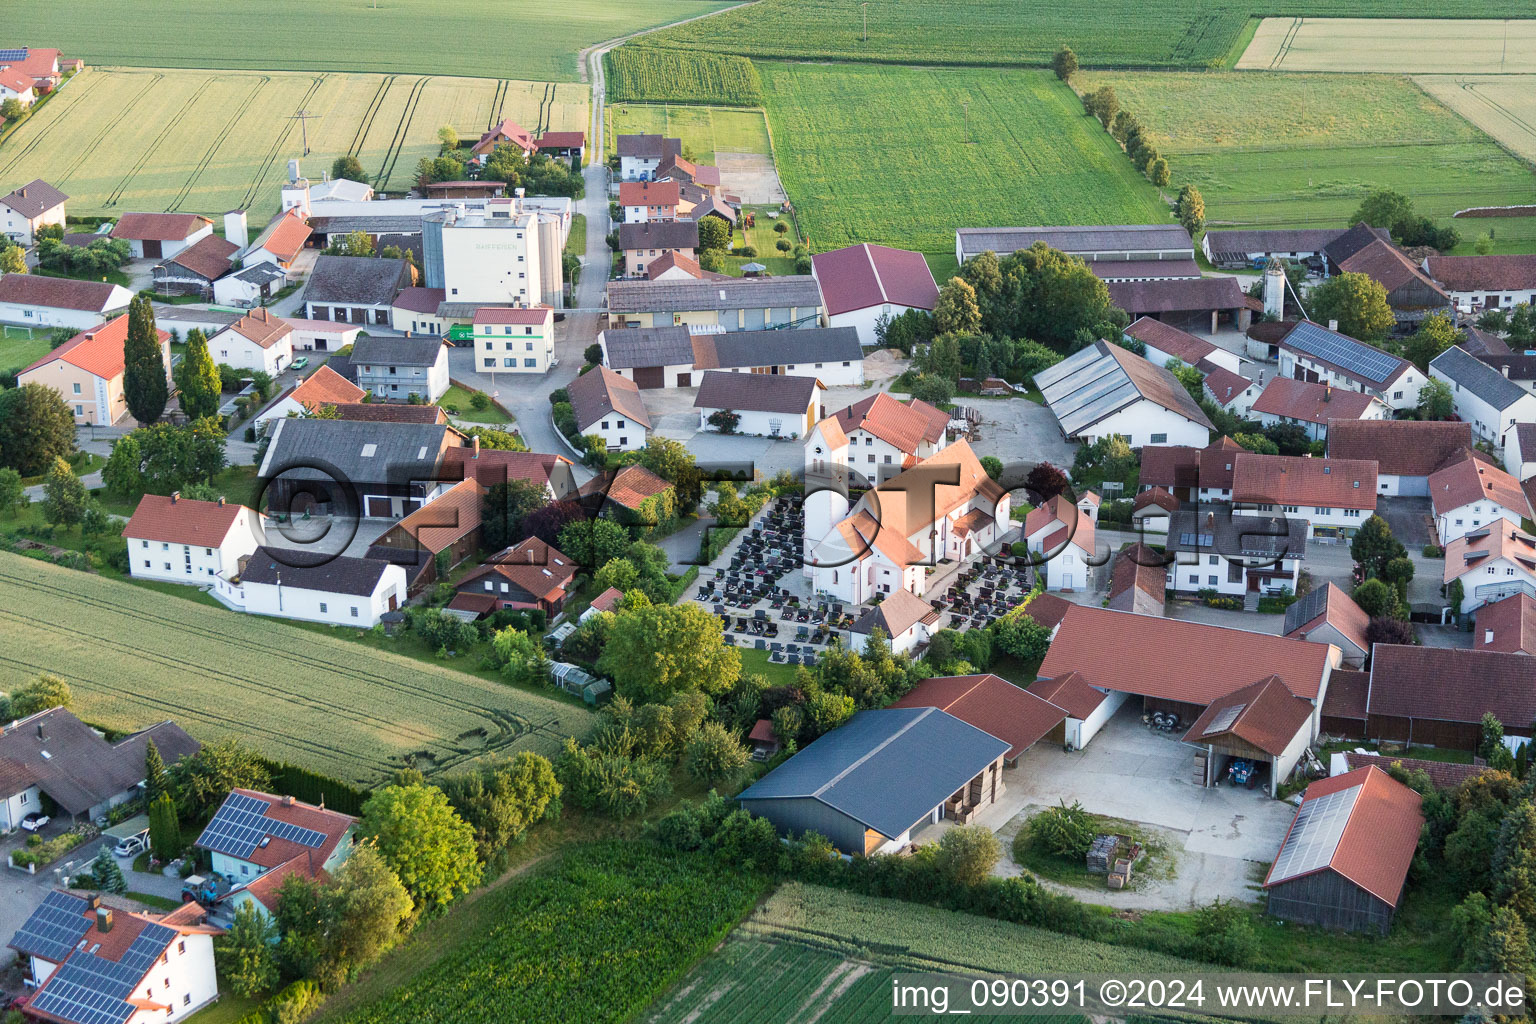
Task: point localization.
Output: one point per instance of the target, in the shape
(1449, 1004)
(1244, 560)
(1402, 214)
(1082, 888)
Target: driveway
(1221, 838)
(1017, 430)
(1412, 520)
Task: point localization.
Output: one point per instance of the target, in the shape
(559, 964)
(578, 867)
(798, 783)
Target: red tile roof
(1301, 481)
(1512, 623)
(1384, 262)
(1156, 496)
(1177, 659)
(1313, 403)
(507, 132)
(1400, 447)
(263, 327)
(421, 300)
(1168, 339)
(861, 276)
(600, 391)
(990, 703)
(494, 466)
(33, 199)
(1442, 774)
(286, 238)
(1451, 684)
(1347, 696)
(562, 140)
(607, 601)
(1342, 613)
(207, 257)
(1379, 838)
(326, 387)
(1224, 385)
(182, 521)
(1046, 609)
(56, 292)
(1264, 714)
(332, 824)
(98, 351)
(533, 316)
(532, 565)
(446, 519)
(159, 227)
(1071, 693)
(899, 612)
(1072, 525)
(902, 424)
(1140, 568)
(1493, 273)
(668, 260)
(1478, 548)
(1471, 479)
(648, 193)
(630, 487)
(15, 81)
(1170, 465)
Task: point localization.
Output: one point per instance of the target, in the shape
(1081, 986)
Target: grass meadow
(880, 155)
(705, 130)
(118, 139)
(134, 656)
(1324, 141)
(1504, 106)
(536, 40)
(1421, 46)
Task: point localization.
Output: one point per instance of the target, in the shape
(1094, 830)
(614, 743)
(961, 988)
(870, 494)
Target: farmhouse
(1152, 509)
(1508, 626)
(1322, 356)
(35, 301)
(1327, 615)
(34, 205)
(53, 754)
(832, 354)
(1491, 564)
(346, 467)
(652, 357)
(1232, 391)
(514, 340)
(737, 304)
(1138, 242)
(354, 289)
(1201, 303)
(1138, 582)
(295, 584)
(414, 311)
(1087, 708)
(875, 438)
(1471, 493)
(1263, 722)
(643, 242)
(1481, 395)
(159, 235)
(1061, 540)
(435, 538)
(87, 372)
(1409, 290)
(530, 574)
(905, 619)
(1217, 464)
(507, 133)
(257, 840)
(398, 368)
(194, 270)
(324, 387)
(1351, 242)
(870, 783)
(640, 155)
(1477, 283)
(1247, 248)
(179, 540)
(16, 86)
(1406, 451)
(279, 243)
(1164, 342)
(622, 495)
(675, 168)
(260, 340)
(94, 960)
(862, 283)
(609, 405)
(1105, 389)
(1333, 496)
(643, 201)
(767, 406)
(1346, 856)
(1312, 407)
(1437, 696)
(993, 705)
(1235, 554)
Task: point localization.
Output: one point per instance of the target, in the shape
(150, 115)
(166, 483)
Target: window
(207, 551)
(167, 566)
(623, 441)
(532, 363)
(871, 456)
(186, 999)
(146, 563)
(868, 441)
(77, 389)
(1195, 580)
(1211, 580)
(164, 546)
(526, 330)
(506, 330)
(622, 424)
(489, 585)
(509, 346)
(1213, 559)
(490, 362)
(509, 361)
(605, 424)
(79, 410)
(1156, 438)
(1287, 508)
(181, 948)
(354, 611)
(504, 588)
(322, 607)
(143, 543)
(528, 346)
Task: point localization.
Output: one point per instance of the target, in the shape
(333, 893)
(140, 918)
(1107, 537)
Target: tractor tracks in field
(265, 167)
(89, 149)
(402, 130)
(152, 149)
(1284, 49)
(37, 139)
(185, 191)
(365, 124)
(498, 103)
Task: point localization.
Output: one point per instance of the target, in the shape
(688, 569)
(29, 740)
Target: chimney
(42, 734)
(93, 900)
(1327, 392)
(175, 496)
(1333, 325)
(476, 446)
(104, 919)
(1505, 368)
(221, 501)
(287, 801)
(235, 229)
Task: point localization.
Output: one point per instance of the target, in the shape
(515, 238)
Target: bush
(559, 396)
(781, 226)
(1066, 831)
(1433, 551)
(967, 854)
(748, 251)
(1225, 934)
(783, 245)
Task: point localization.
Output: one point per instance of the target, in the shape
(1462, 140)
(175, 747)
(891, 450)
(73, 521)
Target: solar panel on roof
(1204, 540)
(55, 927)
(1352, 356)
(12, 55)
(1315, 834)
(70, 999)
(1223, 721)
(242, 822)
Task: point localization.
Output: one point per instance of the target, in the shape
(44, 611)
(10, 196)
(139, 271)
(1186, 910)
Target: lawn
(704, 130)
(755, 661)
(120, 139)
(1324, 143)
(460, 399)
(228, 1010)
(878, 155)
(1156, 862)
(538, 40)
(136, 656)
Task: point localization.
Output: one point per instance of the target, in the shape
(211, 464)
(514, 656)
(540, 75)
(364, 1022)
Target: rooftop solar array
(1353, 357)
(242, 824)
(55, 927)
(1223, 721)
(9, 56)
(1086, 387)
(1315, 834)
(90, 989)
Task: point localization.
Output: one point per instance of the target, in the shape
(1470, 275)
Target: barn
(992, 704)
(1263, 722)
(1346, 855)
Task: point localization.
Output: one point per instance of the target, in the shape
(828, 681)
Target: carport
(1264, 723)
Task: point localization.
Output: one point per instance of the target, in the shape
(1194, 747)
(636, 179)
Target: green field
(1504, 106)
(512, 38)
(207, 141)
(1323, 142)
(1019, 33)
(645, 74)
(1420, 46)
(705, 131)
(878, 154)
(134, 657)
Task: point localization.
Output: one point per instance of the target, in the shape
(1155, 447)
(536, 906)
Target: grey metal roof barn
(420, 351)
(356, 280)
(885, 769)
(629, 347)
(1114, 242)
(303, 570)
(799, 290)
(755, 392)
(764, 348)
(1355, 358)
(1478, 377)
(1102, 379)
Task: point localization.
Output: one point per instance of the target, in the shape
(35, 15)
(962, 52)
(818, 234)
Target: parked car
(132, 846)
(301, 362)
(35, 821)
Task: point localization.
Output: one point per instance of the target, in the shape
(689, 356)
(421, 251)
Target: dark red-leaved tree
(1044, 482)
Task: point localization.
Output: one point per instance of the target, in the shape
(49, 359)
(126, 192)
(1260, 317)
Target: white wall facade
(861, 579)
(769, 424)
(1514, 465)
(232, 347)
(637, 168)
(1488, 423)
(20, 229)
(1458, 522)
(1498, 299)
(1213, 572)
(1402, 393)
(845, 373)
(620, 433)
(1394, 485)
(863, 320)
(901, 643)
(1319, 431)
(494, 260)
(1488, 583)
(1220, 356)
(1322, 522)
(1067, 569)
(185, 982)
(410, 321)
(286, 602)
(55, 316)
(1142, 423)
(514, 348)
(1080, 731)
(190, 563)
(19, 805)
(322, 339)
(1240, 405)
(173, 246)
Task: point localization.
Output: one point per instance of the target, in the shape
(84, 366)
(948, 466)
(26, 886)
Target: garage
(376, 507)
(649, 378)
(151, 248)
(1263, 729)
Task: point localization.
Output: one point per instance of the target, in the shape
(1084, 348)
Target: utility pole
(303, 117)
(864, 7)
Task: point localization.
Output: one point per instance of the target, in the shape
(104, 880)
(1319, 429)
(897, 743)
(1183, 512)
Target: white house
(640, 155)
(514, 340)
(1235, 554)
(32, 300)
(862, 283)
(875, 438)
(279, 243)
(1406, 452)
(643, 201)
(905, 618)
(34, 205)
(1520, 451)
(1232, 391)
(1492, 563)
(156, 236)
(1472, 494)
(260, 340)
(1333, 496)
(16, 86)
(339, 590)
(321, 335)
(1105, 389)
(396, 368)
(322, 388)
(1061, 541)
(1317, 354)
(1312, 407)
(257, 839)
(1485, 282)
(178, 540)
(250, 286)
(1164, 342)
(92, 959)
(765, 405)
(1481, 395)
(1152, 509)
(609, 406)
(414, 311)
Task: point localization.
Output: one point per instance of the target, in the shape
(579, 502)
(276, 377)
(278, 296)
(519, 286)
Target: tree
(1157, 172)
(1047, 295)
(197, 377)
(654, 651)
(353, 243)
(1257, 443)
(1022, 637)
(12, 492)
(163, 459)
(715, 756)
(503, 798)
(521, 657)
(1513, 870)
(1437, 332)
(619, 573)
(1389, 631)
(245, 952)
(36, 427)
(933, 389)
(155, 780)
(164, 828)
(1190, 209)
(1376, 598)
(506, 506)
(105, 875)
(547, 522)
(1105, 104)
(349, 167)
(1383, 208)
(1436, 400)
(956, 310)
(204, 779)
(993, 466)
(424, 841)
(1484, 244)
(1064, 63)
(714, 234)
(64, 496)
(144, 383)
(1357, 302)
(967, 854)
(13, 260)
(37, 694)
(1491, 736)
(1045, 481)
(1374, 545)
(448, 137)
(942, 357)
(443, 168)
(361, 911)
(594, 542)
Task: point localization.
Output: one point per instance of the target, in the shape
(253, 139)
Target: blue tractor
(1243, 772)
